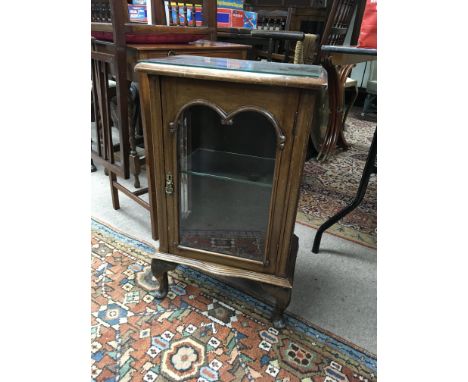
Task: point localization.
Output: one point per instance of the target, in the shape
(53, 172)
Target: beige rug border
(338, 235)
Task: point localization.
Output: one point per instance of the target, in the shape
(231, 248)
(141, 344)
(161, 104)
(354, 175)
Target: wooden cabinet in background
(226, 145)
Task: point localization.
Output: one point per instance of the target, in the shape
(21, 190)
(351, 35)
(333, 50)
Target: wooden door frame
(170, 109)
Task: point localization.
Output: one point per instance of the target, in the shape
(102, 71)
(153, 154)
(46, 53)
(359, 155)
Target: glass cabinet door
(225, 178)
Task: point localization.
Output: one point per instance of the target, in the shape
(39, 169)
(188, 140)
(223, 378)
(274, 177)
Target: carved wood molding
(224, 270)
(226, 118)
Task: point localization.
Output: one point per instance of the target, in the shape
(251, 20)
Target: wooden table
(339, 61)
(131, 161)
(138, 52)
(341, 55)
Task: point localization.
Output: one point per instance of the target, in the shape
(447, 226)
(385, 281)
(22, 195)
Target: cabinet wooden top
(232, 70)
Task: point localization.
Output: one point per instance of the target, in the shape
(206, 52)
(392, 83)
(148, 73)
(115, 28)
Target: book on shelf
(230, 18)
(250, 20)
(189, 7)
(140, 12)
(231, 4)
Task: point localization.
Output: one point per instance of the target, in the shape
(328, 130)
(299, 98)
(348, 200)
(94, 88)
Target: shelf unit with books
(104, 11)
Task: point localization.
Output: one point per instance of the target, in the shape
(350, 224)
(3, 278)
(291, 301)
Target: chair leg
(135, 168)
(133, 124)
(93, 167)
(369, 168)
(114, 191)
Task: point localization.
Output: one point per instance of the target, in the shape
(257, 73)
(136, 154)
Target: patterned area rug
(328, 187)
(202, 331)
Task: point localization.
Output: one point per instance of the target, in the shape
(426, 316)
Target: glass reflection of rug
(245, 244)
(204, 330)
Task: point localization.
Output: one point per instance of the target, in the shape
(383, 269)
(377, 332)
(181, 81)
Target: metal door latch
(169, 184)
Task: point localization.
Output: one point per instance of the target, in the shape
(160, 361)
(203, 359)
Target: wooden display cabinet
(226, 145)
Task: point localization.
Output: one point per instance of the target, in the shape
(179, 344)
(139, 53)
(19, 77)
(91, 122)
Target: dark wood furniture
(275, 20)
(115, 60)
(341, 55)
(335, 32)
(138, 52)
(105, 14)
(340, 13)
(269, 24)
(103, 66)
(227, 140)
(338, 22)
(309, 16)
(288, 38)
(105, 11)
(279, 15)
(112, 16)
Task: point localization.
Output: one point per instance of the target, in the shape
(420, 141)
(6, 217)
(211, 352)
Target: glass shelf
(232, 167)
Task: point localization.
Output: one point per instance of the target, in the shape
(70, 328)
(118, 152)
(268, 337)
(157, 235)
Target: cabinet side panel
(169, 96)
(304, 122)
(150, 154)
(151, 106)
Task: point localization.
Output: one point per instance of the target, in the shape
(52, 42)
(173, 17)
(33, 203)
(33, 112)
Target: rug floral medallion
(202, 331)
(329, 186)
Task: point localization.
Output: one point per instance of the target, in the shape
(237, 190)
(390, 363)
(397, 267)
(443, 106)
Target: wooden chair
(104, 153)
(273, 38)
(309, 15)
(335, 31)
(110, 21)
(112, 28)
(277, 20)
(113, 16)
(110, 16)
(269, 25)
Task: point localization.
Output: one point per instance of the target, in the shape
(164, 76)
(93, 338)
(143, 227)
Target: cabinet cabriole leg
(282, 298)
(159, 268)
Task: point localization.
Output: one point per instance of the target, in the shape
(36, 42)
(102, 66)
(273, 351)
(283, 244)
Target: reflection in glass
(231, 64)
(226, 175)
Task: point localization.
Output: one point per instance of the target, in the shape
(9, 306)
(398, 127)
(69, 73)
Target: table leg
(334, 136)
(369, 169)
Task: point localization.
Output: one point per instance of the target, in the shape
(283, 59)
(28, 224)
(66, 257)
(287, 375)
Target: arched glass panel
(226, 177)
